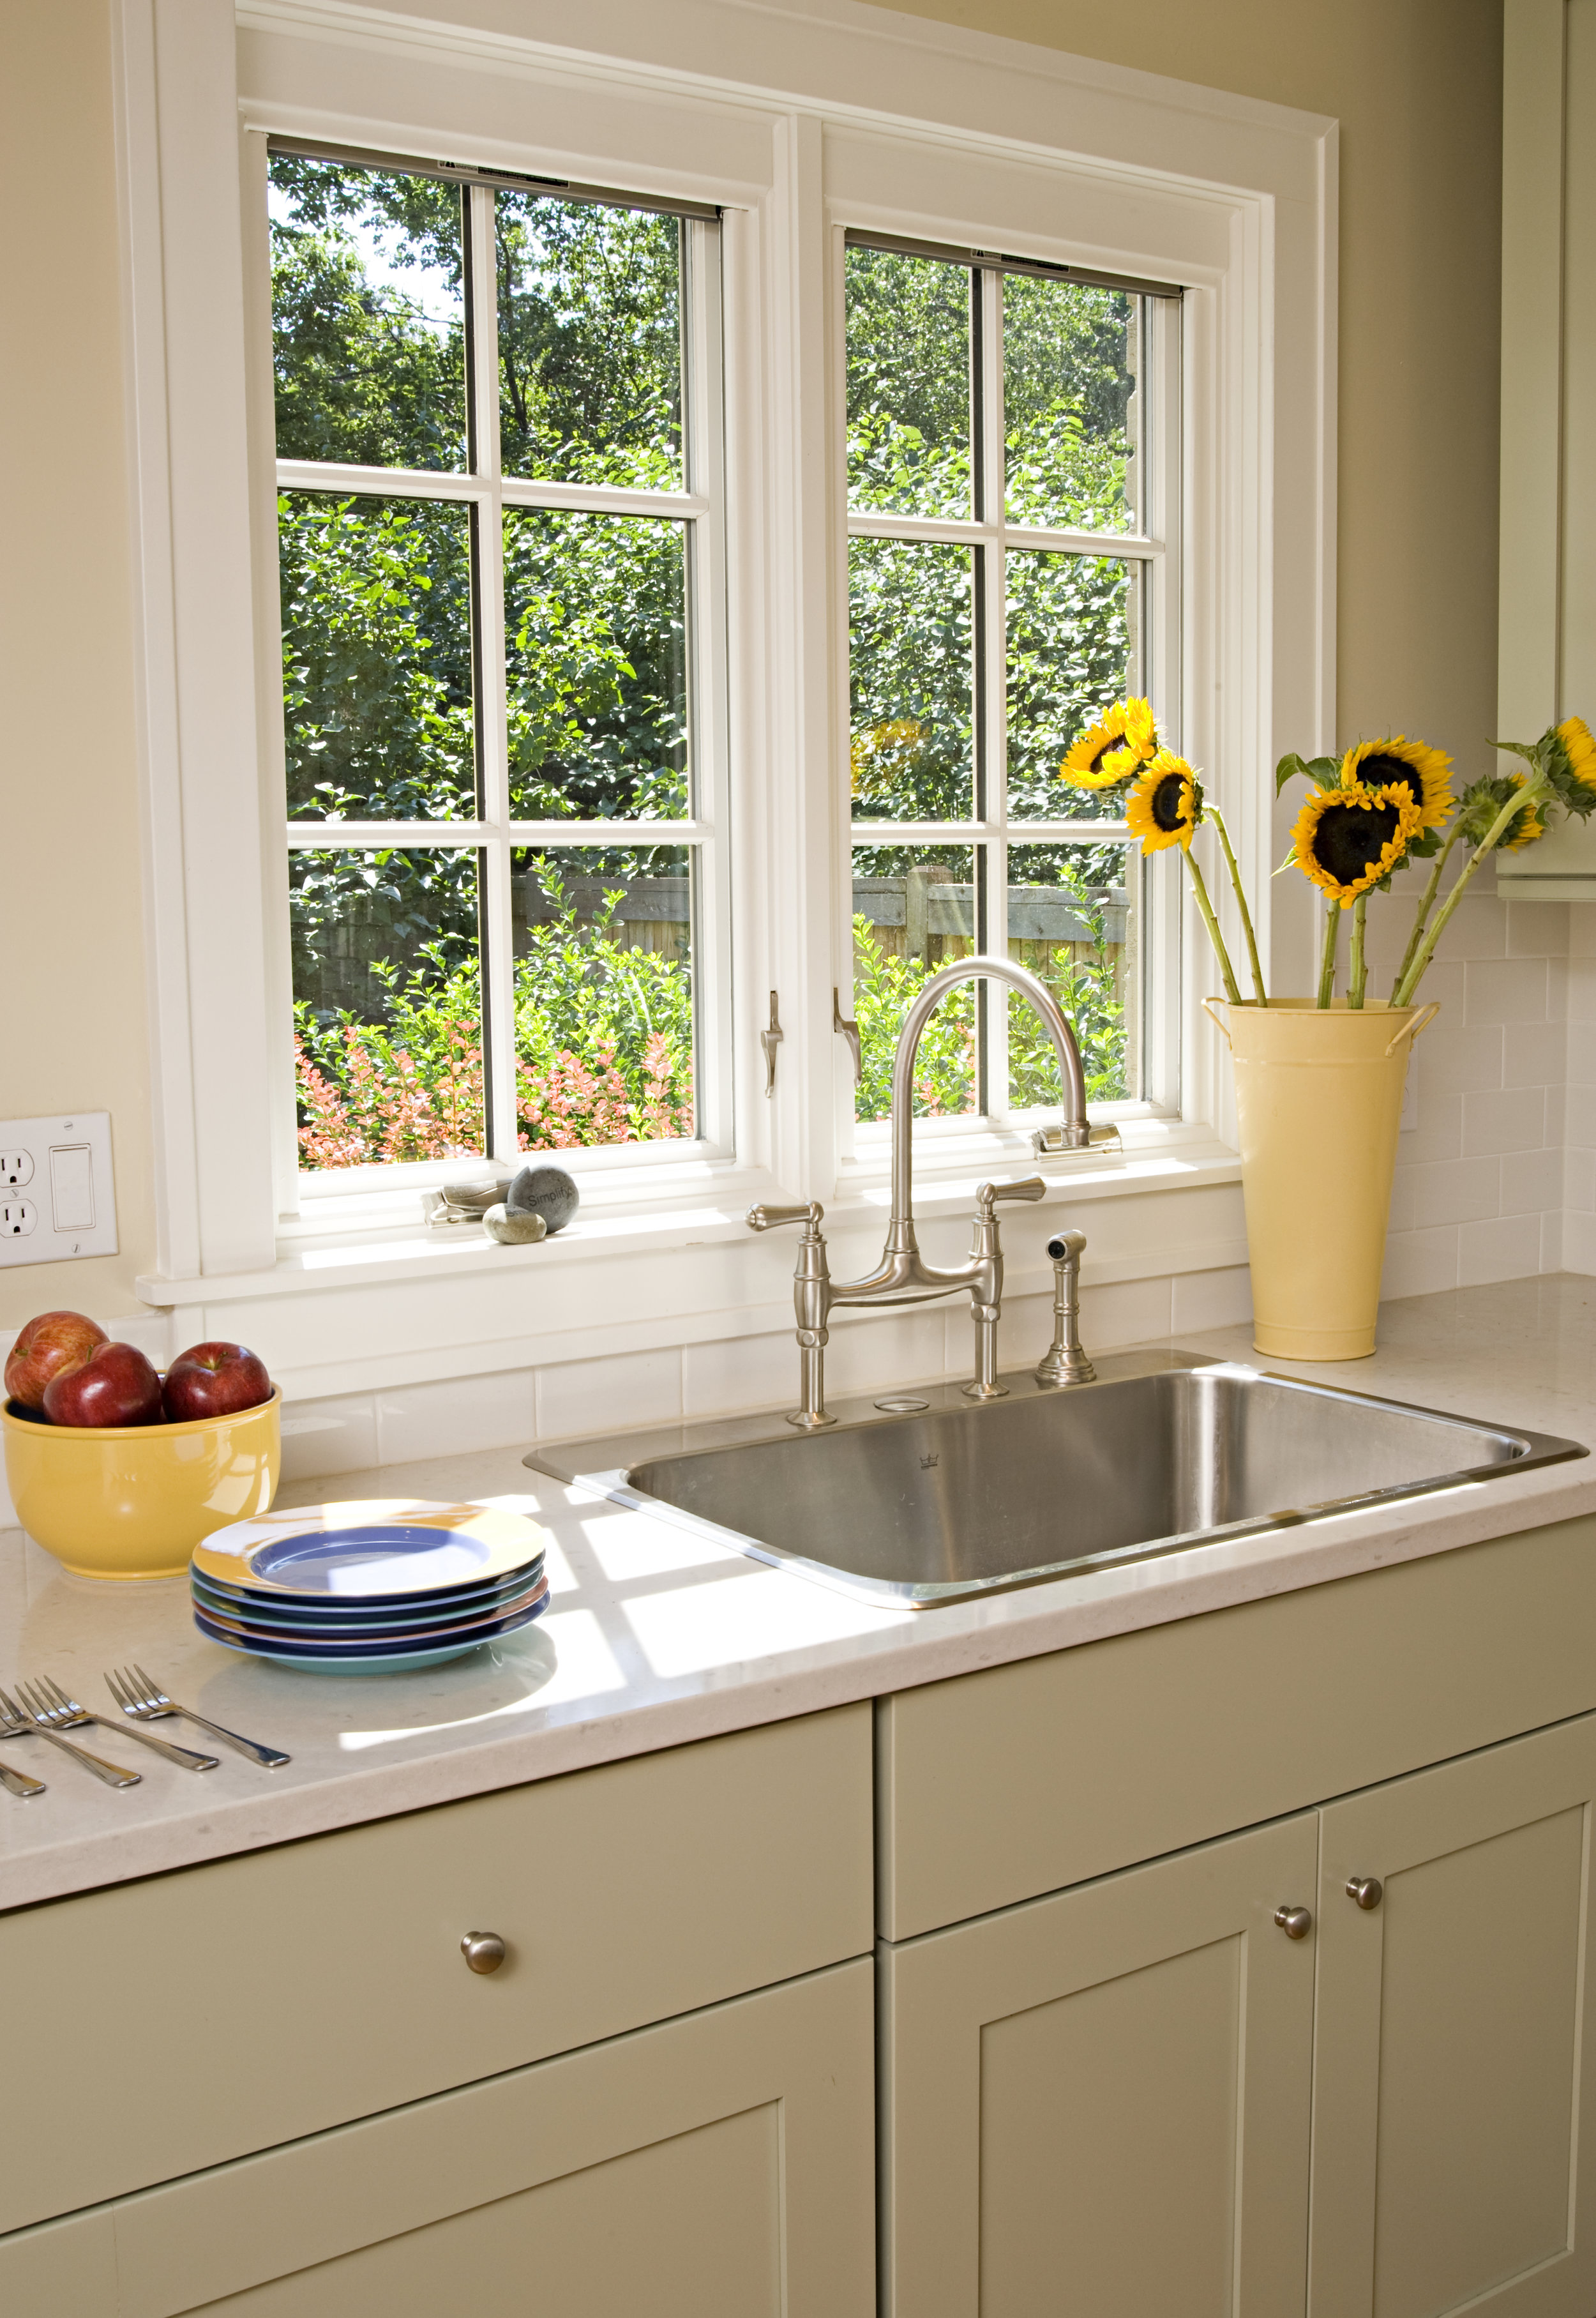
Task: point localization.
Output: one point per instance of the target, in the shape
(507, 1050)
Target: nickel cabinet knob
(1294, 1922)
(483, 1951)
(1367, 1890)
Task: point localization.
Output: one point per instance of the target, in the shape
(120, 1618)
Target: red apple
(48, 1346)
(115, 1386)
(214, 1379)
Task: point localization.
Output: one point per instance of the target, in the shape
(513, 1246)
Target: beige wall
(73, 1035)
(1416, 85)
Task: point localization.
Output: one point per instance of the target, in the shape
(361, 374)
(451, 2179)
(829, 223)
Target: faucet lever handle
(812, 1214)
(987, 1194)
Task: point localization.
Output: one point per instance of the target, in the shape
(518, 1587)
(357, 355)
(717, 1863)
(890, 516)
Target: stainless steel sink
(922, 1497)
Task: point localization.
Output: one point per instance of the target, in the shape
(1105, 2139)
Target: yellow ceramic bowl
(134, 1500)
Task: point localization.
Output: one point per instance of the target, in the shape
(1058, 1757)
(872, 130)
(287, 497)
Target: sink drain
(901, 1404)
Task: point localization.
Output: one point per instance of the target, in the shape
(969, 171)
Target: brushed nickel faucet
(903, 1276)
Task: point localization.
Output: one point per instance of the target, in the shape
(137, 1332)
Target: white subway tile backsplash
(1506, 990)
(1456, 1058)
(1420, 1263)
(329, 1436)
(1507, 1248)
(1120, 1312)
(868, 1353)
(1579, 1104)
(1477, 928)
(740, 1372)
(609, 1395)
(1537, 929)
(1534, 1054)
(1511, 1121)
(1211, 1299)
(1578, 1242)
(1439, 1132)
(1553, 1223)
(453, 1416)
(1456, 1190)
(1531, 1180)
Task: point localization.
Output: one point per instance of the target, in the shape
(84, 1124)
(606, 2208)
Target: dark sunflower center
(1381, 772)
(1165, 802)
(1107, 749)
(1351, 838)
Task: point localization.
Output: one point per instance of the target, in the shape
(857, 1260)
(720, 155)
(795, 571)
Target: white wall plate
(56, 1195)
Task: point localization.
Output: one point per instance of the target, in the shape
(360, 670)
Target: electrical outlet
(58, 1198)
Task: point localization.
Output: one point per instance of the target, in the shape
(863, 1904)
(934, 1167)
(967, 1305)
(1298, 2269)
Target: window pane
(1070, 361)
(603, 996)
(596, 646)
(590, 343)
(1073, 918)
(368, 312)
(376, 659)
(910, 671)
(388, 1016)
(914, 910)
(908, 384)
(1070, 654)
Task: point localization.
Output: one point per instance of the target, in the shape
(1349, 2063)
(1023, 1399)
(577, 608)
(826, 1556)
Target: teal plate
(400, 1662)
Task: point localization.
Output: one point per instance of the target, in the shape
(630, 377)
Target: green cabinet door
(1098, 2102)
(1454, 2130)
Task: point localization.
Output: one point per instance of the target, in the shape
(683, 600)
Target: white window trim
(818, 119)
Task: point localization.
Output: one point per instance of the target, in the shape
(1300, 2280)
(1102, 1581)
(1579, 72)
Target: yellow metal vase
(1318, 1107)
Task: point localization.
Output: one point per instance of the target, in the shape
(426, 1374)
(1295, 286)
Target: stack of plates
(369, 1588)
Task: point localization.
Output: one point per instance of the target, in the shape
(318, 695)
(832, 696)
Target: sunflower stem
(1333, 927)
(1357, 964)
(1426, 904)
(1212, 813)
(1232, 988)
(1533, 790)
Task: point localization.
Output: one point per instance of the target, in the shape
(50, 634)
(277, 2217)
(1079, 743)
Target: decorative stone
(547, 1192)
(477, 1197)
(519, 1227)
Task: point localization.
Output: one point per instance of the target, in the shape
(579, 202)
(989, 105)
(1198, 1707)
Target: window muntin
(523, 657)
(1048, 504)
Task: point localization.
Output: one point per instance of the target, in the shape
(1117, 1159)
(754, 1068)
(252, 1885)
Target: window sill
(1158, 1155)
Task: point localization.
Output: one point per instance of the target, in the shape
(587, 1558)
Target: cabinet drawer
(995, 1787)
(716, 2167)
(155, 2028)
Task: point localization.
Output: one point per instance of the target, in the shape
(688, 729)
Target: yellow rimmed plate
(372, 1550)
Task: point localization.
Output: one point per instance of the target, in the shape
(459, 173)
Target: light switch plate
(57, 1196)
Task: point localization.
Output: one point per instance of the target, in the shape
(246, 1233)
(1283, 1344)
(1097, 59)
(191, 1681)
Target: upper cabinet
(1547, 653)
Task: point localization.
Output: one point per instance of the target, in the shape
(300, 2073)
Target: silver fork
(47, 1702)
(143, 1698)
(14, 1722)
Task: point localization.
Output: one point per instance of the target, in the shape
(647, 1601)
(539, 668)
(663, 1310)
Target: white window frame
(303, 1194)
(1156, 551)
(798, 126)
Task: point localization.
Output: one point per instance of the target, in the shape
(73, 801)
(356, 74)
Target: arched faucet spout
(1077, 1134)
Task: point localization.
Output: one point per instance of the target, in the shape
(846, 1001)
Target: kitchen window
(500, 545)
(1013, 567)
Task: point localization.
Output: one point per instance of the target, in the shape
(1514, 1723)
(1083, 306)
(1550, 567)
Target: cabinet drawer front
(996, 1786)
(717, 2167)
(1454, 2074)
(180, 2022)
(1099, 2102)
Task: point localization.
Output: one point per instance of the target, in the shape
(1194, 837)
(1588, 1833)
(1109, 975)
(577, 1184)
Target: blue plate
(383, 1550)
(423, 1634)
(388, 1662)
(353, 1618)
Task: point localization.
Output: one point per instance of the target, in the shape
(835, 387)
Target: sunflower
(1166, 803)
(1346, 839)
(1404, 764)
(1483, 800)
(1579, 750)
(1115, 749)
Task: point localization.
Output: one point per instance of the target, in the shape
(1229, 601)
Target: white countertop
(654, 1637)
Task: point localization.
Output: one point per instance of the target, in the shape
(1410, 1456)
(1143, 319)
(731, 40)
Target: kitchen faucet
(903, 1276)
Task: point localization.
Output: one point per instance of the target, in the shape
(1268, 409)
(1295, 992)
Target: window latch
(770, 1039)
(842, 1027)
